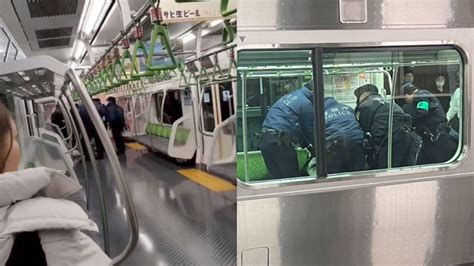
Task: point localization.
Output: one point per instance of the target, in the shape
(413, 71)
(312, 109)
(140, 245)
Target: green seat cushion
(166, 131)
(257, 169)
(156, 129)
(160, 130)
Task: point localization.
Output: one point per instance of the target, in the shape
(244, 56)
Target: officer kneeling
(373, 112)
(429, 120)
(288, 124)
(344, 137)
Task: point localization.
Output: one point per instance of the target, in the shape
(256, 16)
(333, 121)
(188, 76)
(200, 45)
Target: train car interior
(134, 100)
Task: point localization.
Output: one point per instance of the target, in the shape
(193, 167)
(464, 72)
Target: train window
(226, 101)
(208, 110)
(384, 108)
(11, 53)
(158, 98)
(172, 108)
(4, 41)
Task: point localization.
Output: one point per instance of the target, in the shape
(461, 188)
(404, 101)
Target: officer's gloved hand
(367, 142)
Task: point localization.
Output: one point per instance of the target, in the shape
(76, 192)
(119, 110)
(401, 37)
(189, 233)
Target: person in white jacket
(454, 109)
(38, 225)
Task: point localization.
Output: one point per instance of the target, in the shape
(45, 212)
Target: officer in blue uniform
(344, 138)
(429, 121)
(288, 124)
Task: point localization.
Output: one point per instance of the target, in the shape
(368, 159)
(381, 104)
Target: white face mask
(440, 84)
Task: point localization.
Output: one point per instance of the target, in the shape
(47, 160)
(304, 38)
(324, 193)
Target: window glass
(272, 141)
(11, 53)
(208, 112)
(384, 108)
(4, 41)
(158, 98)
(172, 108)
(226, 100)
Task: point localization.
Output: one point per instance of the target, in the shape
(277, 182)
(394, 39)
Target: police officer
(344, 138)
(373, 112)
(429, 120)
(116, 121)
(288, 124)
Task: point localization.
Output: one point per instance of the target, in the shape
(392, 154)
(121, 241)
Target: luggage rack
(33, 78)
(40, 77)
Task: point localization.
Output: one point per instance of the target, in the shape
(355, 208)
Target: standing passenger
(441, 92)
(116, 120)
(344, 137)
(373, 112)
(91, 131)
(429, 120)
(288, 124)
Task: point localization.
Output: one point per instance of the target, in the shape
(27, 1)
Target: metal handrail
(72, 76)
(95, 169)
(68, 115)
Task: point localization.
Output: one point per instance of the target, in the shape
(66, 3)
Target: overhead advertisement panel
(194, 10)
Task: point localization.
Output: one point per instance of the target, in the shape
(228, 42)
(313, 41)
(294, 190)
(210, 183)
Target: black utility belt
(433, 135)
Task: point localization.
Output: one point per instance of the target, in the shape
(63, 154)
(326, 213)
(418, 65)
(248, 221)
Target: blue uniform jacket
(293, 114)
(341, 121)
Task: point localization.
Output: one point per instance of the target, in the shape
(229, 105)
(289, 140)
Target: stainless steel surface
(90, 151)
(324, 14)
(416, 223)
(113, 160)
(408, 216)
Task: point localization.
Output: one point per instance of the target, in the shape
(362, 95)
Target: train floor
(182, 220)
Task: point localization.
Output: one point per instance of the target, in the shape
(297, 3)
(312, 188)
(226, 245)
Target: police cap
(408, 88)
(368, 87)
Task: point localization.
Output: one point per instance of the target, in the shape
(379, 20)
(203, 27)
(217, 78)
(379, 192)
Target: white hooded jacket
(34, 200)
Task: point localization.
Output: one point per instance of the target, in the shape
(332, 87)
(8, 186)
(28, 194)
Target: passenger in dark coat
(116, 121)
(373, 112)
(91, 131)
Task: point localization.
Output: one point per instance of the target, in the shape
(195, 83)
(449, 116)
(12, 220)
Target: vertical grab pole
(319, 123)
(114, 162)
(103, 209)
(67, 114)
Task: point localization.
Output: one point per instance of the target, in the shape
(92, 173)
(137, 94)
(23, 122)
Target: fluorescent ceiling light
(215, 23)
(188, 37)
(95, 14)
(80, 47)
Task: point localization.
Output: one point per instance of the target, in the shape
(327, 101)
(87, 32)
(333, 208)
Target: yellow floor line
(135, 146)
(207, 180)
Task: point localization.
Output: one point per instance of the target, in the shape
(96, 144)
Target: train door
(217, 114)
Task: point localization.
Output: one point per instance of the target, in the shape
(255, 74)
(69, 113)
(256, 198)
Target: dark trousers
(405, 149)
(344, 155)
(281, 159)
(118, 139)
(99, 147)
(437, 152)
